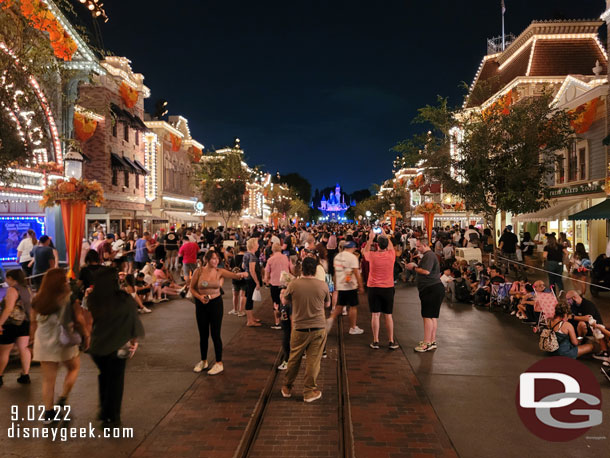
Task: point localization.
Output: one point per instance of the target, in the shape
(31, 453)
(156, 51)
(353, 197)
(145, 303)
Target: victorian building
(172, 153)
(568, 59)
(115, 150)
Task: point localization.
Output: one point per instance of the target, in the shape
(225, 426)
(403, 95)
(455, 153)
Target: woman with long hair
(130, 253)
(580, 264)
(205, 288)
(114, 338)
(553, 256)
(54, 299)
(15, 324)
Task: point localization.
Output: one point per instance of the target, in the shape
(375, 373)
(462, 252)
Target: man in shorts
(431, 292)
(381, 285)
(170, 241)
(348, 283)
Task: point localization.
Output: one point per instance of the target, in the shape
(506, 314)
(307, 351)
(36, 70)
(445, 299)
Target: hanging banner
(176, 142)
(129, 95)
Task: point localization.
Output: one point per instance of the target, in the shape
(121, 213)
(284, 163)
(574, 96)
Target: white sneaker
(146, 310)
(216, 369)
(201, 365)
(356, 330)
(232, 312)
(155, 301)
(344, 312)
(513, 312)
(283, 366)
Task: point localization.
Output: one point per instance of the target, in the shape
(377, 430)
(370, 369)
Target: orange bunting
(194, 154)
(84, 127)
(585, 115)
(129, 95)
(176, 142)
(41, 18)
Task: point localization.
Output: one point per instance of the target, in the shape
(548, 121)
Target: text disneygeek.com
(65, 433)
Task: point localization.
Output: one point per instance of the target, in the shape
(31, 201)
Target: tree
(222, 181)
(505, 156)
(300, 185)
(300, 208)
(280, 196)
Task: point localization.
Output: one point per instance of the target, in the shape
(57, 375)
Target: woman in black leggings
(205, 288)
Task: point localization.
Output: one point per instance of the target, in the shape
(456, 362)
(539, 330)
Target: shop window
(126, 179)
(572, 163)
(137, 181)
(115, 177)
(582, 163)
(126, 133)
(115, 128)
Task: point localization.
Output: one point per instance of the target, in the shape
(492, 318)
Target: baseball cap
(110, 236)
(349, 244)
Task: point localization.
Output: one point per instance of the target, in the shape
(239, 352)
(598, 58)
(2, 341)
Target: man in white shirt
(540, 239)
(348, 283)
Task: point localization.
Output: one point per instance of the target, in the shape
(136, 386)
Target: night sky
(319, 87)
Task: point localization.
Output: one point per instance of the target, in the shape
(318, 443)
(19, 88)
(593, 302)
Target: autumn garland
(73, 189)
(41, 18)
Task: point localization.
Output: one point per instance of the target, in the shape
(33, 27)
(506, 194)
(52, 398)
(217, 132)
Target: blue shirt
(141, 251)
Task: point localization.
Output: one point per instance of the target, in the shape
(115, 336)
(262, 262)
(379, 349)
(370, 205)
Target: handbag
(68, 337)
(548, 340)
(256, 295)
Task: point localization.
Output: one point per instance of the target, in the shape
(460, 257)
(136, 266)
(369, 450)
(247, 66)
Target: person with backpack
(565, 334)
(15, 324)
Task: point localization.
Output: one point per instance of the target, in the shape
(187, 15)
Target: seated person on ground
(585, 315)
(566, 336)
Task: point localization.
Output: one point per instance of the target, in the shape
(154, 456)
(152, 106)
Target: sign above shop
(587, 188)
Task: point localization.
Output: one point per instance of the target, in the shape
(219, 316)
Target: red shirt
(189, 251)
(381, 268)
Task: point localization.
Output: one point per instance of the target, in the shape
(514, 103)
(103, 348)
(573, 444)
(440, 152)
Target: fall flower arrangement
(392, 213)
(73, 189)
(429, 207)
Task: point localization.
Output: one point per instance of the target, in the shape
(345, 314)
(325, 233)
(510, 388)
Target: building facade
(172, 155)
(567, 58)
(115, 152)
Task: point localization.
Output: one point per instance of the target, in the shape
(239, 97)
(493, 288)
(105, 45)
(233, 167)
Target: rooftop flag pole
(503, 11)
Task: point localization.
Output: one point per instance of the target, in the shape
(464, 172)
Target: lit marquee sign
(36, 128)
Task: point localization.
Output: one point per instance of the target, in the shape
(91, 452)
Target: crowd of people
(312, 272)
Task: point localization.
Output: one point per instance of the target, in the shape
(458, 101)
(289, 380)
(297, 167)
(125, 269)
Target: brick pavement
(391, 414)
(296, 429)
(210, 418)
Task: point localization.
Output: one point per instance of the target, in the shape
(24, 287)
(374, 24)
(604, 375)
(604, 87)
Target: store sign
(588, 188)
(12, 229)
(159, 221)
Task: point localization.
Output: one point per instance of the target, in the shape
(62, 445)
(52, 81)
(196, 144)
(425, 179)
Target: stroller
(500, 297)
(545, 305)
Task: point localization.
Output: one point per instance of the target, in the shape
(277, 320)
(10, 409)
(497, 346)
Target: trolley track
(264, 419)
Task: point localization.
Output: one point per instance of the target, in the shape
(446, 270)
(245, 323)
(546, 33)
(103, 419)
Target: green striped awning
(599, 211)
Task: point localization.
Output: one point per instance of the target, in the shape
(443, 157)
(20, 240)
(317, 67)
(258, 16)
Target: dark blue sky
(319, 87)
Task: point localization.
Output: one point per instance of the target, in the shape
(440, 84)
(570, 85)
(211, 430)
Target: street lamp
(73, 165)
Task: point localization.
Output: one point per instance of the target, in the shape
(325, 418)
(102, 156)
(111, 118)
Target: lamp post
(73, 165)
